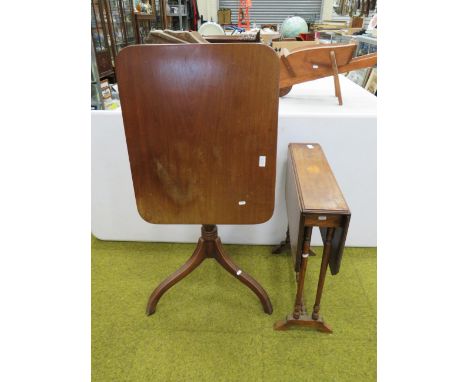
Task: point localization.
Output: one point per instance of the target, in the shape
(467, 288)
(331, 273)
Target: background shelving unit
(100, 39)
(177, 14)
(112, 29)
(97, 103)
(145, 22)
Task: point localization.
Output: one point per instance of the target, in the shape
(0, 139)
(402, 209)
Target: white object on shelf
(210, 29)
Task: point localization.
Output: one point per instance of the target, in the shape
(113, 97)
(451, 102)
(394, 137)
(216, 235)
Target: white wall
(209, 9)
(327, 9)
(309, 113)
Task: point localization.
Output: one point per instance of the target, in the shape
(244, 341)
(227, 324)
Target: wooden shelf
(144, 16)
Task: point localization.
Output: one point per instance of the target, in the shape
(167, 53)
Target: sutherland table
(313, 199)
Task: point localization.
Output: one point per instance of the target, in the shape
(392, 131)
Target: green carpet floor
(210, 327)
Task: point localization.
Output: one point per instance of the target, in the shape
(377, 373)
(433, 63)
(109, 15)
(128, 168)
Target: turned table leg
(299, 316)
(323, 271)
(298, 307)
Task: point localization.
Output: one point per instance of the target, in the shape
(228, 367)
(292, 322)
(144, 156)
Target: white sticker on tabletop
(262, 161)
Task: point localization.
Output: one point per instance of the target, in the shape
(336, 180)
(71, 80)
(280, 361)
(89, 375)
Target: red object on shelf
(243, 20)
(307, 36)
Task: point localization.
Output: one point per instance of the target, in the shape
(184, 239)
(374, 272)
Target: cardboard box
(224, 16)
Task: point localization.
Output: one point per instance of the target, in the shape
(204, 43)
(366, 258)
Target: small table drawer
(323, 220)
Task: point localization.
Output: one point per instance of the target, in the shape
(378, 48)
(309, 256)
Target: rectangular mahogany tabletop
(317, 187)
(314, 199)
(201, 127)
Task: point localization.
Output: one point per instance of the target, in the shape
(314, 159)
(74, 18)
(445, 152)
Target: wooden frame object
(313, 199)
(371, 83)
(322, 60)
(297, 65)
(201, 129)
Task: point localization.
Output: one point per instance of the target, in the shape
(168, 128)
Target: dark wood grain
(313, 199)
(197, 117)
(295, 217)
(319, 188)
(190, 265)
(197, 120)
(299, 304)
(209, 246)
(304, 321)
(337, 243)
(323, 271)
(312, 194)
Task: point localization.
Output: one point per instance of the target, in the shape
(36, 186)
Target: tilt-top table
(201, 132)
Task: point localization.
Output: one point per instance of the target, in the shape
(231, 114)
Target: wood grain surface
(295, 217)
(197, 118)
(311, 63)
(313, 198)
(319, 189)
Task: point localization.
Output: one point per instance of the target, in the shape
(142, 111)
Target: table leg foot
(302, 321)
(281, 325)
(243, 277)
(281, 247)
(195, 260)
(285, 244)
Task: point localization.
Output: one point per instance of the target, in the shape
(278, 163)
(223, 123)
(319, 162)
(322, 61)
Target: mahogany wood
(284, 91)
(323, 272)
(317, 185)
(298, 65)
(201, 131)
(209, 246)
(299, 306)
(305, 321)
(295, 217)
(196, 120)
(313, 199)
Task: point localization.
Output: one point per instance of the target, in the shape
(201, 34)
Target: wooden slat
(314, 62)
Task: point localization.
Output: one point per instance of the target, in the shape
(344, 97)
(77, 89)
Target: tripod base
(209, 246)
